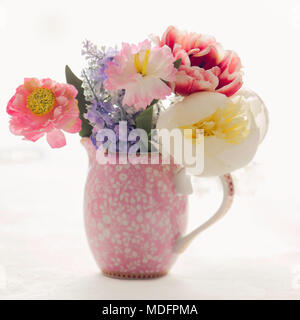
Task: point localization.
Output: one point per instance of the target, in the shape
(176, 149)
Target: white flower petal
(221, 157)
(193, 108)
(258, 109)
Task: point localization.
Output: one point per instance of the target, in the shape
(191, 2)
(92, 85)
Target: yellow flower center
(230, 124)
(41, 101)
(141, 67)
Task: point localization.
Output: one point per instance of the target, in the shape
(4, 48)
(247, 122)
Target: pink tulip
(205, 66)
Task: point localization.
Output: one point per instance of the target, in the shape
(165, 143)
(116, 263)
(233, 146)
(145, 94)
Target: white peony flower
(233, 127)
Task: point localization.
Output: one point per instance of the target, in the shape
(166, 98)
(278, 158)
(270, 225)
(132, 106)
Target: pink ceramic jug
(135, 219)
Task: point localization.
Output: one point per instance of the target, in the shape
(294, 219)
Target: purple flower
(105, 110)
(94, 75)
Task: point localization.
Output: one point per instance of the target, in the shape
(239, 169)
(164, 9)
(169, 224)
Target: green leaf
(177, 63)
(86, 128)
(144, 119)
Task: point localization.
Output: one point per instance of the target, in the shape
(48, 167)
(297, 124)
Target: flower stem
(89, 83)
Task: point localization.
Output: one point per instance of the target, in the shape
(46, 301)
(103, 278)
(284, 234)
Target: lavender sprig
(105, 109)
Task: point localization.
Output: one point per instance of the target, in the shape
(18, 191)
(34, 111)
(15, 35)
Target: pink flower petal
(74, 126)
(231, 74)
(66, 118)
(33, 136)
(179, 53)
(201, 51)
(13, 108)
(194, 79)
(141, 94)
(232, 87)
(48, 83)
(170, 37)
(31, 83)
(56, 138)
(64, 115)
(72, 91)
(62, 101)
(141, 87)
(161, 64)
(206, 58)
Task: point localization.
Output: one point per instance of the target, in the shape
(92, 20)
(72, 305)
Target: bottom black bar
(142, 309)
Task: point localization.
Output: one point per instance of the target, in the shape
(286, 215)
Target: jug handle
(228, 192)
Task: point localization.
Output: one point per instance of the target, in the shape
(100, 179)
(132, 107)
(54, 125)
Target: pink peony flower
(143, 72)
(44, 106)
(205, 65)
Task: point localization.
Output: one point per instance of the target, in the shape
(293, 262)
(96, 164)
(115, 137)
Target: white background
(254, 252)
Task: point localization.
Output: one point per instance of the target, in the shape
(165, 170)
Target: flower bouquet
(150, 116)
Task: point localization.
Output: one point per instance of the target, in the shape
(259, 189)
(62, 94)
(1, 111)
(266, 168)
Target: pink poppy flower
(217, 70)
(143, 72)
(44, 107)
